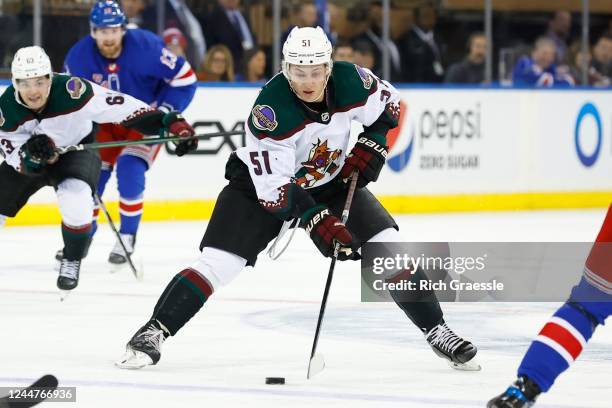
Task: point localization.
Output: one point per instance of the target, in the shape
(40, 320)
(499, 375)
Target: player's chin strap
(272, 251)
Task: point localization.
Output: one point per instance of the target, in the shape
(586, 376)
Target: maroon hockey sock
(182, 299)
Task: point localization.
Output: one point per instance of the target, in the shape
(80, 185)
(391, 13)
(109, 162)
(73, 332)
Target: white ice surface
(263, 323)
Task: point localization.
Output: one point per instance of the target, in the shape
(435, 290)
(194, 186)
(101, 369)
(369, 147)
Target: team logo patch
(75, 87)
(321, 161)
(365, 77)
(264, 117)
(97, 78)
(2, 120)
(325, 116)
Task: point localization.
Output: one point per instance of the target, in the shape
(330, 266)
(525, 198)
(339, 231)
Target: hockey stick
(136, 273)
(47, 382)
(317, 363)
(153, 140)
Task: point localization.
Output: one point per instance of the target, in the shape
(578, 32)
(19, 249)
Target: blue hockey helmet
(105, 14)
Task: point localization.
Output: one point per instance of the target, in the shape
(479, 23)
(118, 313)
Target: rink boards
(457, 149)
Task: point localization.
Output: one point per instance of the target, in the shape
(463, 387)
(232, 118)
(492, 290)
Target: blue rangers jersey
(145, 70)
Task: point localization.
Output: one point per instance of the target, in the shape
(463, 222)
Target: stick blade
(315, 366)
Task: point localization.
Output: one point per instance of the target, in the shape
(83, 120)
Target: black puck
(275, 380)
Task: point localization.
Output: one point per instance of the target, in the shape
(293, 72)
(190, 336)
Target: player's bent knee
(75, 202)
(218, 266)
(131, 175)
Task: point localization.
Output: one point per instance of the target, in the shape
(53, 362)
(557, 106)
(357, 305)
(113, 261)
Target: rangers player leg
(76, 205)
(567, 332)
(236, 214)
(131, 182)
(369, 221)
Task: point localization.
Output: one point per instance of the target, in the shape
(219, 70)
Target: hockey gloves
(177, 125)
(367, 157)
(38, 151)
(325, 230)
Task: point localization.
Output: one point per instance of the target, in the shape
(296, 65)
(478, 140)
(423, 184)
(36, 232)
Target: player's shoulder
(352, 84)
(143, 39)
(68, 94)
(12, 114)
(82, 48)
(275, 113)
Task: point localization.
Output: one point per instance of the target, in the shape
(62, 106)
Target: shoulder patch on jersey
(264, 117)
(75, 87)
(365, 77)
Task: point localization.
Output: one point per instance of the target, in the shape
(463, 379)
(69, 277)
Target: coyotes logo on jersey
(320, 162)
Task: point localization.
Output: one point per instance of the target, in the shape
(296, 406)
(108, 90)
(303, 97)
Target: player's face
(109, 41)
(34, 92)
(308, 81)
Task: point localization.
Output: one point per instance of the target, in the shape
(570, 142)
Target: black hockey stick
(47, 382)
(317, 363)
(153, 140)
(137, 274)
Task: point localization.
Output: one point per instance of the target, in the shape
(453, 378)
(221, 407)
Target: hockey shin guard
(182, 299)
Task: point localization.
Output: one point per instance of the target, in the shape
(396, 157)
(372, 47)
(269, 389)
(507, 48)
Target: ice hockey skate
(144, 348)
(521, 394)
(459, 353)
(68, 278)
(117, 256)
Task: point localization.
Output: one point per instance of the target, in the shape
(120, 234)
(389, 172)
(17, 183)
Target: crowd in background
(221, 44)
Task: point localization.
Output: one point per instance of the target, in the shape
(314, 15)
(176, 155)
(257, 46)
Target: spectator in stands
(602, 56)
(227, 25)
(540, 69)
(422, 54)
(218, 65)
(305, 16)
(343, 51)
(178, 15)
(133, 12)
(472, 69)
(373, 36)
(363, 55)
(253, 68)
(576, 60)
(559, 28)
(175, 41)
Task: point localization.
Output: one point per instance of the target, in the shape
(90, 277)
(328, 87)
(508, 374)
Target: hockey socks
(182, 299)
(131, 183)
(421, 306)
(558, 345)
(76, 241)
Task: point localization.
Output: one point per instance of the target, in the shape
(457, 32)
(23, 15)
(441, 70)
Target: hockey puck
(275, 380)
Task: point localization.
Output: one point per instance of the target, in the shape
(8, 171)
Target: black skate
(117, 255)
(145, 346)
(521, 394)
(68, 278)
(458, 352)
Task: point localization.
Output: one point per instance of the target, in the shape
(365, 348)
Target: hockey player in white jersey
(42, 111)
(294, 166)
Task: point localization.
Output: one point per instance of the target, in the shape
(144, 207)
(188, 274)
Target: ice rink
(262, 325)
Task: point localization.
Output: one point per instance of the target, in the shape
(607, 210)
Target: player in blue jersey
(137, 63)
(567, 332)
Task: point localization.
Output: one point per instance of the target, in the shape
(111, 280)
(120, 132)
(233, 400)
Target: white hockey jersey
(74, 103)
(286, 142)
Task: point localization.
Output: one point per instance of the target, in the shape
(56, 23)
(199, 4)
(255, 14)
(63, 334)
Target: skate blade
(316, 365)
(469, 366)
(64, 294)
(133, 360)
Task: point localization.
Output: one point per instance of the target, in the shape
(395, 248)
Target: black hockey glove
(37, 151)
(177, 125)
(325, 230)
(367, 157)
